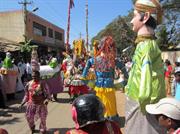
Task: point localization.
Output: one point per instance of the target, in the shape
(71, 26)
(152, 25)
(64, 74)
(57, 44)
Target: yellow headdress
(151, 6)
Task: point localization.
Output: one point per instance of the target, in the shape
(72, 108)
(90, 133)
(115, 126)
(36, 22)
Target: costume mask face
(137, 24)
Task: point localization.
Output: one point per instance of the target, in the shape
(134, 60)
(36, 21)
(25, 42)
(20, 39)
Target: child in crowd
(167, 112)
(36, 98)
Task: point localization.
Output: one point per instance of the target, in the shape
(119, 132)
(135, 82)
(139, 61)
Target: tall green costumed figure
(146, 80)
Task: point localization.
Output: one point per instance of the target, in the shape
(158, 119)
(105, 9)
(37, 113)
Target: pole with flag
(71, 5)
(87, 40)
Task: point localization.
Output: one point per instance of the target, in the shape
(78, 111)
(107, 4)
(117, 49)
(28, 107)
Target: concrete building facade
(41, 32)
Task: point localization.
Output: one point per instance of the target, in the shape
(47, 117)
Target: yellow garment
(110, 104)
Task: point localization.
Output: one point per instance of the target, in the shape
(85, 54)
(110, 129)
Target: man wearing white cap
(146, 79)
(167, 112)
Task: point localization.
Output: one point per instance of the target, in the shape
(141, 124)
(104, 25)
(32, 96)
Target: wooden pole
(87, 36)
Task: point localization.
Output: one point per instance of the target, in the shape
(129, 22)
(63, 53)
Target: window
(50, 32)
(58, 35)
(39, 29)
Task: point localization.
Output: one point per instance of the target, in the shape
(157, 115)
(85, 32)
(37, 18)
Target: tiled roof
(7, 45)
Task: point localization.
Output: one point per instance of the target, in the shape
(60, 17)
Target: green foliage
(169, 32)
(25, 46)
(162, 35)
(121, 32)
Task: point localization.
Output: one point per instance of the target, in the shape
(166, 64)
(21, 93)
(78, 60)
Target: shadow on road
(7, 114)
(64, 100)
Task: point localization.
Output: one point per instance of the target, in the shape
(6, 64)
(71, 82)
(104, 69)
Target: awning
(7, 45)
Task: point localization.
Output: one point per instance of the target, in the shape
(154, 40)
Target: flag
(71, 3)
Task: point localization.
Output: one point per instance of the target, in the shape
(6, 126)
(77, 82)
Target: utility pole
(87, 36)
(80, 35)
(24, 4)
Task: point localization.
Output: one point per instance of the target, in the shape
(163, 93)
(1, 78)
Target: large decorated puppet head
(150, 9)
(87, 109)
(105, 49)
(95, 46)
(78, 46)
(7, 63)
(8, 55)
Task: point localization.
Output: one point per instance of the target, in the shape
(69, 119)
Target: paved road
(59, 117)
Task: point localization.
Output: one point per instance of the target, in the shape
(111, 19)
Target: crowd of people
(151, 87)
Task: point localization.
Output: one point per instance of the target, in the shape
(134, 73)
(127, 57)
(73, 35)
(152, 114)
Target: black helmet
(88, 108)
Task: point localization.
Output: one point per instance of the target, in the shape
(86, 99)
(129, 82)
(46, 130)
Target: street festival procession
(90, 67)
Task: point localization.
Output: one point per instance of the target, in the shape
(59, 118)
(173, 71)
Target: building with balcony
(46, 35)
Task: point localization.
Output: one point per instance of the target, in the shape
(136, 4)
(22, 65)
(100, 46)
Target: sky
(101, 13)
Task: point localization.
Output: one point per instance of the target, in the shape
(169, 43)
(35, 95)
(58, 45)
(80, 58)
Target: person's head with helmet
(87, 109)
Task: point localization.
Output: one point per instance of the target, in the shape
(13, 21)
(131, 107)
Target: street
(59, 116)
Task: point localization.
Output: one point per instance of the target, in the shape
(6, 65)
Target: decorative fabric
(139, 123)
(104, 85)
(53, 63)
(151, 6)
(35, 112)
(108, 98)
(7, 63)
(34, 93)
(53, 84)
(36, 109)
(146, 80)
(141, 38)
(107, 46)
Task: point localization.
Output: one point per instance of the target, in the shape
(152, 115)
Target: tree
(169, 32)
(26, 48)
(121, 32)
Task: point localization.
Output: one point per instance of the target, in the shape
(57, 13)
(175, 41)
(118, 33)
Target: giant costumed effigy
(9, 73)
(73, 71)
(79, 48)
(50, 74)
(104, 64)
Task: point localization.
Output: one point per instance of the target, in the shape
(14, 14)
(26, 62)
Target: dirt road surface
(59, 116)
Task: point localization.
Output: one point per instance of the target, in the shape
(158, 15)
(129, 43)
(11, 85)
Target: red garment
(77, 90)
(168, 71)
(32, 88)
(34, 93)
(64, 67)
(105, 127)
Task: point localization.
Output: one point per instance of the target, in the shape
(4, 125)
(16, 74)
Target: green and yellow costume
(146, 79)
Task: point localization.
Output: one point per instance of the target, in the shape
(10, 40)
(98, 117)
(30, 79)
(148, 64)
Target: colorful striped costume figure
(146, 79)
(36, 98)
(104, 64)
